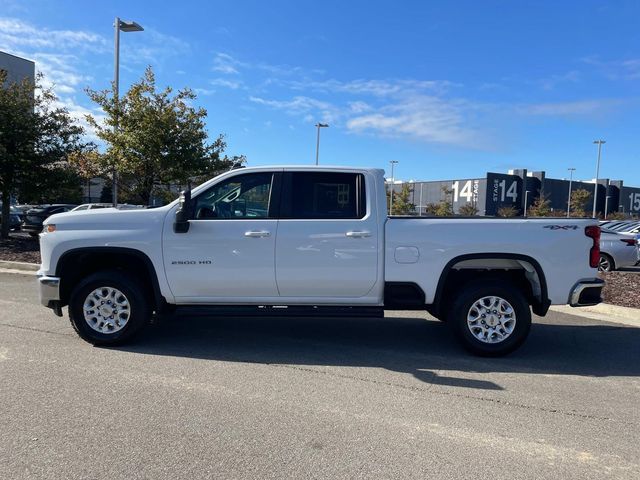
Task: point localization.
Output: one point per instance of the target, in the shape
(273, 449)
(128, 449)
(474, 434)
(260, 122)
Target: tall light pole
(606, 205)
(595, 188)
(319, 126)
(124, 26)
(393, 180)
(571, 170)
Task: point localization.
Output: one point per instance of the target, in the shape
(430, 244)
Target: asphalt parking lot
(313, 398)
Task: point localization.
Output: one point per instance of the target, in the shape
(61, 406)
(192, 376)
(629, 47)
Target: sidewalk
(604, 312)
(23, 267)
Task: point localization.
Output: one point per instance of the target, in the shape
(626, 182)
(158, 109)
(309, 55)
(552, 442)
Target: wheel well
(520, 271)
(77, 264)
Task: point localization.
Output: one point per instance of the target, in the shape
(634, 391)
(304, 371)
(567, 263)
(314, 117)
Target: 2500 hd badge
(191, 262)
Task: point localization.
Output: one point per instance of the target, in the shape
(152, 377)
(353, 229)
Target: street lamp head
(129, 26)
(322, 125)
(393, 161)
(599, 141)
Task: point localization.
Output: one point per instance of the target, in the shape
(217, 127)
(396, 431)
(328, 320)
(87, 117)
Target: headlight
(50, 228)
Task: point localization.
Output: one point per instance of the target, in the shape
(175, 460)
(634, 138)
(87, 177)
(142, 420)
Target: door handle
(257, 233)
(360, 234)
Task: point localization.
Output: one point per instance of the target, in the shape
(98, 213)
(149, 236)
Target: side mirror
(184, 212)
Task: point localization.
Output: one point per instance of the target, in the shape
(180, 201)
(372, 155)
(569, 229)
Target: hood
(108, 219)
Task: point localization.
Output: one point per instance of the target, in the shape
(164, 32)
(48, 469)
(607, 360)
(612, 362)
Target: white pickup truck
(312, 240)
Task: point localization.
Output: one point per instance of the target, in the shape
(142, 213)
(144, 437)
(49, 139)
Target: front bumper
(586, 292)
(49, 292)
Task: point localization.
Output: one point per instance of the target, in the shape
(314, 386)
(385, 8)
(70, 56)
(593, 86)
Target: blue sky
(449, 89)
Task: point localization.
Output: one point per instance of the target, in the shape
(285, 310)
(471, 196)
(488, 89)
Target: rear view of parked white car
(617, 250)
(312, 241)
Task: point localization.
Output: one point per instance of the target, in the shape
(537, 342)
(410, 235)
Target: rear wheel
(490, 318)
(108, 308)
(606, 264)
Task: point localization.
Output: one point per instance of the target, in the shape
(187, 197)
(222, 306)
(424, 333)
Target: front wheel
(490, 318)
(108, 308)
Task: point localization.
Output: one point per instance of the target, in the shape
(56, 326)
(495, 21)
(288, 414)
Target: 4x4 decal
(561, 227)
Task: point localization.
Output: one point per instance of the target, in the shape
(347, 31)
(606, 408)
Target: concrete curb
(604, 312)
(30, 267)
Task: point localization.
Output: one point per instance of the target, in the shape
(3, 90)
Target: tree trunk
(6, 209)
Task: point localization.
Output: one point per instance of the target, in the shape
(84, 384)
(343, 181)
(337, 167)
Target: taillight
(593, 232)
(629, 241)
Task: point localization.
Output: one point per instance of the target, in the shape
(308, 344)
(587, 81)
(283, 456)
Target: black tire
(139, 310)
(461, 309)
(606, 263)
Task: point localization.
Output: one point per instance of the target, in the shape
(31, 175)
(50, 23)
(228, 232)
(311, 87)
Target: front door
(228, 251)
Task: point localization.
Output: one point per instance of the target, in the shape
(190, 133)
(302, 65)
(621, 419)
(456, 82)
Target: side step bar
(278, 311)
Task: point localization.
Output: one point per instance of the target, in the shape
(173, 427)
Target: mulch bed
(20, 247)
(622, 288)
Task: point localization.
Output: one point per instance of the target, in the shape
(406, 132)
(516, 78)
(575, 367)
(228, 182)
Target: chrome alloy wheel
(491, 319)
(106, 310)
(604, 265)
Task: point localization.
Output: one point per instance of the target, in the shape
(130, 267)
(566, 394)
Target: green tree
(156, 138)
(541, 207)
(401, 203)
(87, 165)
(36, 138)
(444, 208)
(579, 199)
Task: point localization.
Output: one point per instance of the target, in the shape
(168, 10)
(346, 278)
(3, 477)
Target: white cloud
(151, 46)
(625, 69)
(225, 63)
(581, 107)
(66, 56)
(16, 34)
(424, 118)
(549, 83)
(378, 88)
(302, 106)
(229, 65)
(222, 82)
(359, 107)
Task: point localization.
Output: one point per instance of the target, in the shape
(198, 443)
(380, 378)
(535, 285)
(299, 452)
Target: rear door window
(323, 195)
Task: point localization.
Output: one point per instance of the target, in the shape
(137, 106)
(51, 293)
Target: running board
(279, 311)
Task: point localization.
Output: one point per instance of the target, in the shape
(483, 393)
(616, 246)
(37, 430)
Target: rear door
(327, 243)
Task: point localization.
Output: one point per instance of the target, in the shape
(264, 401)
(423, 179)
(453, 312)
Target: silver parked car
(93, 206)
(617, 250)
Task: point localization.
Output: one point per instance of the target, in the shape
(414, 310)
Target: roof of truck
(312, 167)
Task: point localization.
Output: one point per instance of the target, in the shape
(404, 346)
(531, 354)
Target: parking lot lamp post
(319, 126)
(606, 205)
(393, 180)
(595, 188)
(571, 170)
(124, 26)
(526, 200)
